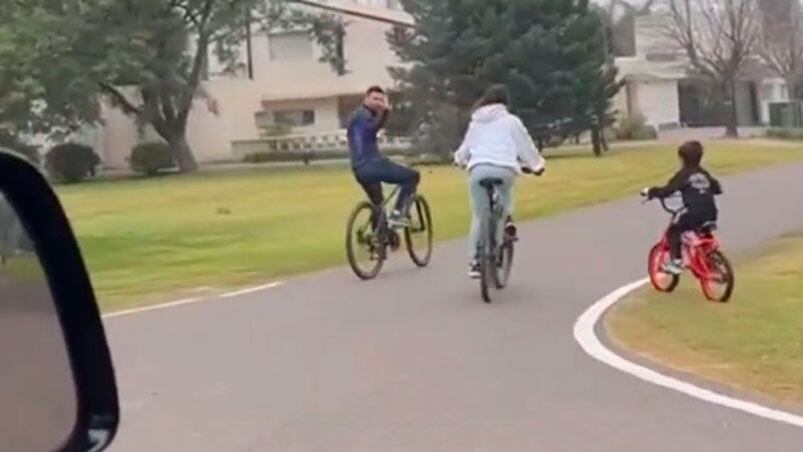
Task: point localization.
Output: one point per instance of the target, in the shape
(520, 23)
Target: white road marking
(172, 304)
(584, 334)
(252, 290)
(186, 301)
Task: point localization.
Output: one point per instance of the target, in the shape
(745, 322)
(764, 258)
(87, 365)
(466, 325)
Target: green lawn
(149, 240)
(25, 267)
(753, 343)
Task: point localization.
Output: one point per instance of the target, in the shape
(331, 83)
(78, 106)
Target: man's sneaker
(397, 220)
(673, 267)
(474, 270)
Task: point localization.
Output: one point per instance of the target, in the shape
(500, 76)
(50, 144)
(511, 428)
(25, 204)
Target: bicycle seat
(491, 182)
(707, 228)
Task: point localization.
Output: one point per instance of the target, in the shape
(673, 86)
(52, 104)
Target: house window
(291, 45)
(294, 118)
(768, 92)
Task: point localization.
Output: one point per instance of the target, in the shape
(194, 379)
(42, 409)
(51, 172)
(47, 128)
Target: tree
(548, 52)
(620, 16)
(39, 92)
(780, 42)
(718, 37)
(149, 57)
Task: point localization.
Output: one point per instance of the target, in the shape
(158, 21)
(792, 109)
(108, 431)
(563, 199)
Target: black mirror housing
(43, 218)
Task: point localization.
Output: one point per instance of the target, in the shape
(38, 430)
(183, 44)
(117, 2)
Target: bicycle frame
(695, 248)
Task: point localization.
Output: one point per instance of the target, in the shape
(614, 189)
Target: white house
(658, 85)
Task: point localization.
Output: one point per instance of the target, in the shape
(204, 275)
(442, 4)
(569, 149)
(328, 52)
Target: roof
(315, 93)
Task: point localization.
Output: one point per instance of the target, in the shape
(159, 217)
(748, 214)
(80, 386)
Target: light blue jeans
(480, 206)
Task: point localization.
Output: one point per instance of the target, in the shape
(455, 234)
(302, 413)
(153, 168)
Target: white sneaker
(474, 270)
(397, 220)
(673, 267)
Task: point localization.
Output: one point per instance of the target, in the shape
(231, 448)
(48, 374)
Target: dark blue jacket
(363, 127)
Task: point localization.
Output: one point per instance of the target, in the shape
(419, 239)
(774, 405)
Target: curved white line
(584, 334)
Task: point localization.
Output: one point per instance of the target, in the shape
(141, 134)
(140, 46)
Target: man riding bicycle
(369, 166)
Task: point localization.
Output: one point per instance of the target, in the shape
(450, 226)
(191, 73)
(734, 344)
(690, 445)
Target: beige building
(289, 86)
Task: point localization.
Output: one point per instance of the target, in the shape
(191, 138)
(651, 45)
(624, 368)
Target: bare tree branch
(718, 38)
(780, 46)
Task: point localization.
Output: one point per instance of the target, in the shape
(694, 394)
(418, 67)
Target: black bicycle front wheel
(419, 235)
(364, 247)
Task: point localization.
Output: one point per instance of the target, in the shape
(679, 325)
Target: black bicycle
(369, 236)
(496, 259)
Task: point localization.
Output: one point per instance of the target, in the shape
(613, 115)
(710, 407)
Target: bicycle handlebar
(528, 170)
(663, 203)
(524, 169)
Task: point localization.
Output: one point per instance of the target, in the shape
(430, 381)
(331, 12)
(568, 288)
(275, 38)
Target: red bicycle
(701, 255)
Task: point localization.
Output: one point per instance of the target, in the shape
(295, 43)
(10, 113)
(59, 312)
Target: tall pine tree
(550, 53)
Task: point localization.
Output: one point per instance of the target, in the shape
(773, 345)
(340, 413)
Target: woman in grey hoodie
(496, 145)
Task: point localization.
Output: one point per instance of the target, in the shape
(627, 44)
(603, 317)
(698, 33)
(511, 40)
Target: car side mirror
(57, 383)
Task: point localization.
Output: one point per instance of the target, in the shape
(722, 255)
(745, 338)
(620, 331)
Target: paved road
(414, 361)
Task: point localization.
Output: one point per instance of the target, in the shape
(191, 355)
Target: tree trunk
(182, 153)
(794, 98)
(732, 125)
(596, 142)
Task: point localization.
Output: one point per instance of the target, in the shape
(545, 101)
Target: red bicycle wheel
(717, 284)
(661, 281)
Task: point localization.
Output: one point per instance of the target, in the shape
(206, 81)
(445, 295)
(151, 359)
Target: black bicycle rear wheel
(486, 275)
(488, 262)
(504, 264)
(364, 247)
(720, 286)
(419, 234)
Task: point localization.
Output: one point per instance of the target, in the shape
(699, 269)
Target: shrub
(8, 142)
(428, 159)
(277, 156)
(309, 156)
(149, 159)
(71, 162)
(635, 128)
(791, 133)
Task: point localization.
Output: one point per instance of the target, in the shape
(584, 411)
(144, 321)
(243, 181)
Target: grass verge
(753, 343)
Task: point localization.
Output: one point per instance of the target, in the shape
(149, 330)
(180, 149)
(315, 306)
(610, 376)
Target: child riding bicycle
(697, 188)
(496, 145)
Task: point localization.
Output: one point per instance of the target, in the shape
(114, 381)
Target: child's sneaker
(474, 270)
(673, 267)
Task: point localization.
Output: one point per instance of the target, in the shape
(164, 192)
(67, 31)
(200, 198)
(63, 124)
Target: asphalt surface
(414, 361)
